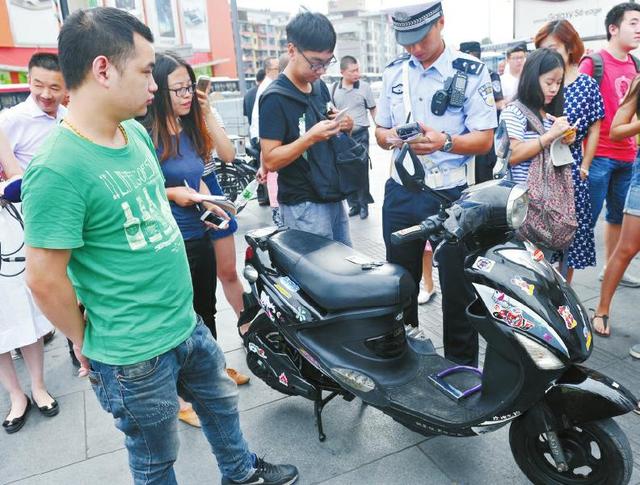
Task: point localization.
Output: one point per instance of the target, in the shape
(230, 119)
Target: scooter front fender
(581, 395)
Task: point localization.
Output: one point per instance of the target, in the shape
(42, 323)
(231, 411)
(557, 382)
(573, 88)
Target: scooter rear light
(354, 379)
(249, 254)
(541, 356)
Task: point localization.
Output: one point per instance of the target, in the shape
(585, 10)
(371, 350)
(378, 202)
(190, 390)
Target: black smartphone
(409, 131)
(213, 218)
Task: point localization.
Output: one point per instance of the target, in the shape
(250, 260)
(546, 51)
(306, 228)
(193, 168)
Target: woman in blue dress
(582, 105)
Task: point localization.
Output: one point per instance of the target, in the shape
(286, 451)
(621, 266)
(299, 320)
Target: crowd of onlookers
(557, 92)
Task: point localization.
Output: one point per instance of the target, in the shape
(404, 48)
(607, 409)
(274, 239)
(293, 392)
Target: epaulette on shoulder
(470, 66)
(399, 59)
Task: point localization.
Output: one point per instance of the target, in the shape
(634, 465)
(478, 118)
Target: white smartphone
(341, 114)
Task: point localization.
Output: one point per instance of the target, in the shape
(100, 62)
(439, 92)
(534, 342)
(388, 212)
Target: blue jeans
(608, 179)
(328, 219)
(632, 204)
(143, 399)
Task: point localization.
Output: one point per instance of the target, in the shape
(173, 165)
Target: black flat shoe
(49, 411)
(16, 424)
(364, 212)
(353, 211)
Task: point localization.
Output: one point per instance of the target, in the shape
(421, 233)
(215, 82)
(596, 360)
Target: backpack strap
(598, 65)
(532, 120)
(333, 92)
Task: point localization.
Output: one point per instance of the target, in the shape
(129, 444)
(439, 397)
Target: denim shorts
(327, 219)
(608, 180)
(632, 203)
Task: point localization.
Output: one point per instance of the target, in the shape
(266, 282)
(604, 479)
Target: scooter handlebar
(424, 230)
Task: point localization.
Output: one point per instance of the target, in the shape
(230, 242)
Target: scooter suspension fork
(557, 452)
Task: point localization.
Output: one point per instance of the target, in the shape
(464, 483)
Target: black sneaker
(268, 474)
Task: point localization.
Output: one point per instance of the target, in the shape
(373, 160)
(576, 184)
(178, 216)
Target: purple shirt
(27, 126)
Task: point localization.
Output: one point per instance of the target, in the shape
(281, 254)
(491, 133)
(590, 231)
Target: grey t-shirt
(358, 99)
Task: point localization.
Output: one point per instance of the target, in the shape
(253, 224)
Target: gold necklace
(77, 132)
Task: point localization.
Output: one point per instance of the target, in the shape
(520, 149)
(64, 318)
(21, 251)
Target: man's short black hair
(616, 14)
(347, 61)
(100, 31)
(260, 75)
(311, 32)
(45, 60)
(521, 47)
(540, 62)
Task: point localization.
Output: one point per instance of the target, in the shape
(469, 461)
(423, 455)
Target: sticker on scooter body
(267, 305)
(483, 264)
(288, 283)
(302, 315)
(523, 285)
(283, 291)
(282, 378)
(257, 350)
(567, 316)
(512, 312)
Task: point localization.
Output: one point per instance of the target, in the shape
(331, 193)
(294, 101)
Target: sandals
(605, 323)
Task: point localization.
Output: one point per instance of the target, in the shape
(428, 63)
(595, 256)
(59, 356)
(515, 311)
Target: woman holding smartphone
(584, 108)
(180, 123)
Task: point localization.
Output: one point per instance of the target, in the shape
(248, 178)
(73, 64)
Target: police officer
(484, 163)
(450, 138)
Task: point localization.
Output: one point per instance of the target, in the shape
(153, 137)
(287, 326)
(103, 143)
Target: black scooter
(332, 321)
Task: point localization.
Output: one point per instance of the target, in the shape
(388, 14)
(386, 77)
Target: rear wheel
(597, 453)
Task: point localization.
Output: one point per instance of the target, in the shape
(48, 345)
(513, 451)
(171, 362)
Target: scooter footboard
(581, 395)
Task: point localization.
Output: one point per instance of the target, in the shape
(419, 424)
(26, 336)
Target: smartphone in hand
(203, 84)
(213, 218)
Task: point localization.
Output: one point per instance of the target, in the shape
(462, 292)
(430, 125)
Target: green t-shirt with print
(128, 262)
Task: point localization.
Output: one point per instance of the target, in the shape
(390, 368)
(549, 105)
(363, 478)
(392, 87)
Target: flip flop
(605, 323)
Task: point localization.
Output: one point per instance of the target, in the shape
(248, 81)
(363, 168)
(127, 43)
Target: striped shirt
(518, 129)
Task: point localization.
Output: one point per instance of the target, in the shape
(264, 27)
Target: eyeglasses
(318, 66)
(183, 91)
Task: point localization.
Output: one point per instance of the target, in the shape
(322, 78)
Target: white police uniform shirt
(477, 113)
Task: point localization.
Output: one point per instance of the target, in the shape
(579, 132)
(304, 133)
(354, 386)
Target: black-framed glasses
(317, 66)
(183, 91)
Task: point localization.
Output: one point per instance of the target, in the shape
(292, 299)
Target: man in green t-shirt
(98, 229)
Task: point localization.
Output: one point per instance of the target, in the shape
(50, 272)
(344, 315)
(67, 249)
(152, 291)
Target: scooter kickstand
(318, 406)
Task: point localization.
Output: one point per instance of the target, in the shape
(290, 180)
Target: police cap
(413, 23)
(470, 47)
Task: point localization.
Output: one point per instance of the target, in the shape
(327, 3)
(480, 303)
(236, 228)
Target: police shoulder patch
(486, 91)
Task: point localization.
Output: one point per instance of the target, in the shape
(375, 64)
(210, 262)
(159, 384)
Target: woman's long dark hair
(161, 112)
(539, 62)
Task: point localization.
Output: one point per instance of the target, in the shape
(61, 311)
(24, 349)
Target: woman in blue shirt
(180, 122)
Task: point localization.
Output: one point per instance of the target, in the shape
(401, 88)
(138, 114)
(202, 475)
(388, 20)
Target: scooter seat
(336, 276)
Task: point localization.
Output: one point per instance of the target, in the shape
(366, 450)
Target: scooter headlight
(543, 357)
(517, 205)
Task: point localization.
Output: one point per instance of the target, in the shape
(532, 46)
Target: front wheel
(597, 453)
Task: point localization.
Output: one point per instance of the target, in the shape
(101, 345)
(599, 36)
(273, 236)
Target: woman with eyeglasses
(182, 127)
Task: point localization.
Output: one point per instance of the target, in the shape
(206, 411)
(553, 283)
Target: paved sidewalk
(81, 446)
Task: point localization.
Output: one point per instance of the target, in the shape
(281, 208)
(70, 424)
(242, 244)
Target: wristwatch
(448, 143)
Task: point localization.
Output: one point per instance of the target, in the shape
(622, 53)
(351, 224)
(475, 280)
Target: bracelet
(540, 143)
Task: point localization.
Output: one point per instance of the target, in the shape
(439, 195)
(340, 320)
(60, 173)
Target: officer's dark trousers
(484, 166)
(362, 196)
(402, 209)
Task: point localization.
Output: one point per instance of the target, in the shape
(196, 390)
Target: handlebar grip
(409, 234)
